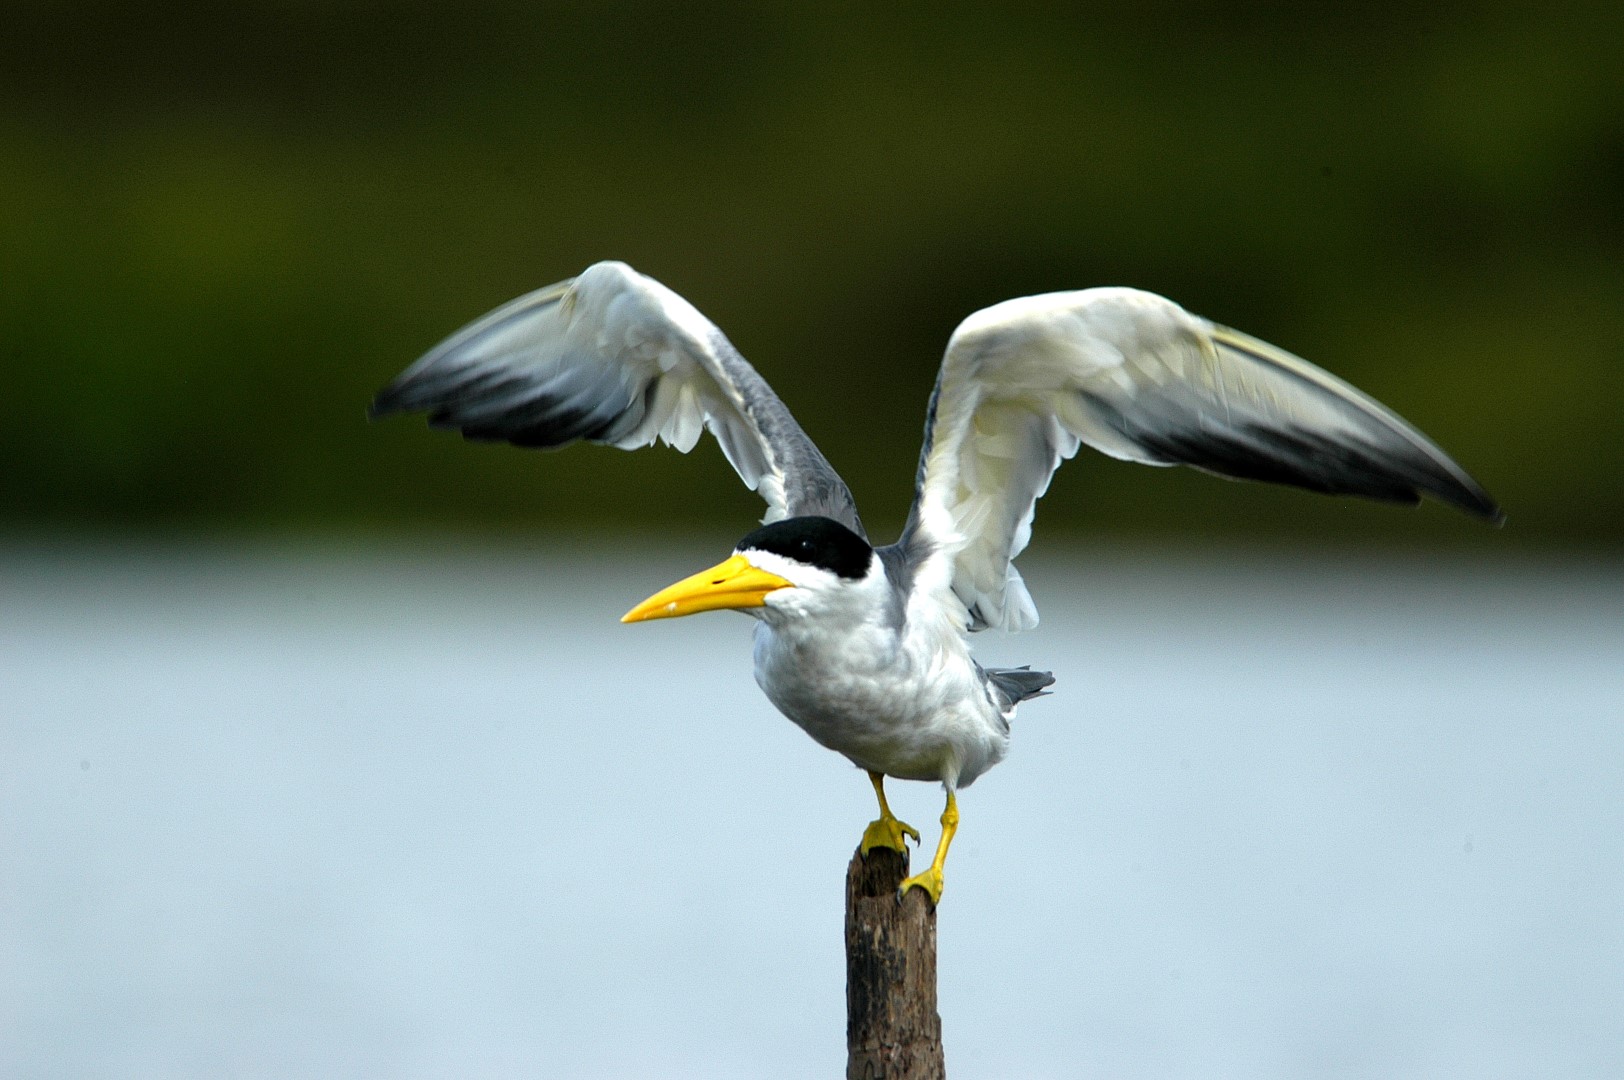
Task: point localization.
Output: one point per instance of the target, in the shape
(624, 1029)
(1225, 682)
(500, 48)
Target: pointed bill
(733, 583)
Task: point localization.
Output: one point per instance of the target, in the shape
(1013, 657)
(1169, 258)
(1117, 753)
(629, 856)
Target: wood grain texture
(893, 1031)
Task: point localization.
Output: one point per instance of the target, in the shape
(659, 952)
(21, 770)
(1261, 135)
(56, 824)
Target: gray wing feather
(614, 357)
(817, 488)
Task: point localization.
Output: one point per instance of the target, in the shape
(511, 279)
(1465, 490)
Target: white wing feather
(1135, 376)
(614, 357)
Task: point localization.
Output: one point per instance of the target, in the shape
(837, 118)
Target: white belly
(887, 708)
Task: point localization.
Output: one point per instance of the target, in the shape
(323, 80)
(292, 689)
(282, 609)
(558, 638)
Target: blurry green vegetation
(219, 235)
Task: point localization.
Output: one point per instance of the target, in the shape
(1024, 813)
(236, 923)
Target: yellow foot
(930, 881)
(887, 832)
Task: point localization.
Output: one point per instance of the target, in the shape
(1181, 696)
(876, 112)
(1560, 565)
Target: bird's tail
(1019, 684)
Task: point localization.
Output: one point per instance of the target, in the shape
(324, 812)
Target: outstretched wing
(1137, 377)
(615, 357)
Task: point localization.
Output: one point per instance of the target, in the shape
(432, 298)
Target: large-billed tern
(865, 647)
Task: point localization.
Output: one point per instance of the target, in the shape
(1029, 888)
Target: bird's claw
(888, 832)
(930, 881)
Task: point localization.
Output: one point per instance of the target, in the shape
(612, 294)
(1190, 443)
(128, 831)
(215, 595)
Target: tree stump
(892, 1029)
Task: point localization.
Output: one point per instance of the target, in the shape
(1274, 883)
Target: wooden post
(892, 1029)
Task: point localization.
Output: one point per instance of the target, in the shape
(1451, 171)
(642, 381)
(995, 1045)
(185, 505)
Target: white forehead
(791, 570)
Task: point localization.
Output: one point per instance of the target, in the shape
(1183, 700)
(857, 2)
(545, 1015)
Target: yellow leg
(931, 880)
(887, 832)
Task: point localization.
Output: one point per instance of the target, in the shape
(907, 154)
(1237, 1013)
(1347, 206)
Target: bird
(866, 647)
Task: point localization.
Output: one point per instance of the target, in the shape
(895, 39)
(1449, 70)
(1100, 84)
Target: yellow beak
(730, 584)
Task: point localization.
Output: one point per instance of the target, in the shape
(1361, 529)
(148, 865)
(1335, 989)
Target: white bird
(865, 647)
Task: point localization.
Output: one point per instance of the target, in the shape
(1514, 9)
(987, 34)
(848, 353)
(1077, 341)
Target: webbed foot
(888, 832)
(930, 881)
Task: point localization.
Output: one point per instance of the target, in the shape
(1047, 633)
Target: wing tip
(401, 395)
(1468, 497)
(384, 404)
(1487, 510)
(1492, 515)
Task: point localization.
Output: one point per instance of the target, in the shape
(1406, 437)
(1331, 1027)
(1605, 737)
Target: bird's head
(799, 566)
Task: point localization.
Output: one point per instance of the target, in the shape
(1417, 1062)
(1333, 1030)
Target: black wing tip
(1488, 511)
(1473, 503)
(392, 400)
(1469, 498)
(1305, 459)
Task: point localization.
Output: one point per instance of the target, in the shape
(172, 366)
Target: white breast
(909, 709)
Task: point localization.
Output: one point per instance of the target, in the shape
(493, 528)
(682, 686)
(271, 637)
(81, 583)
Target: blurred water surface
(432, 814)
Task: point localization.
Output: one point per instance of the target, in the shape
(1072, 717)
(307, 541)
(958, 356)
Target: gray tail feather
(1019, 684)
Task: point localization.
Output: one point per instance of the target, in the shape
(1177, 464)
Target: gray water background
(433, 813)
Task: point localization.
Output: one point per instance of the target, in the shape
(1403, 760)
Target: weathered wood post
(892, 1029)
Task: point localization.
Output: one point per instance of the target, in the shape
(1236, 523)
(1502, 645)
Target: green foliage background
(220, 233)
